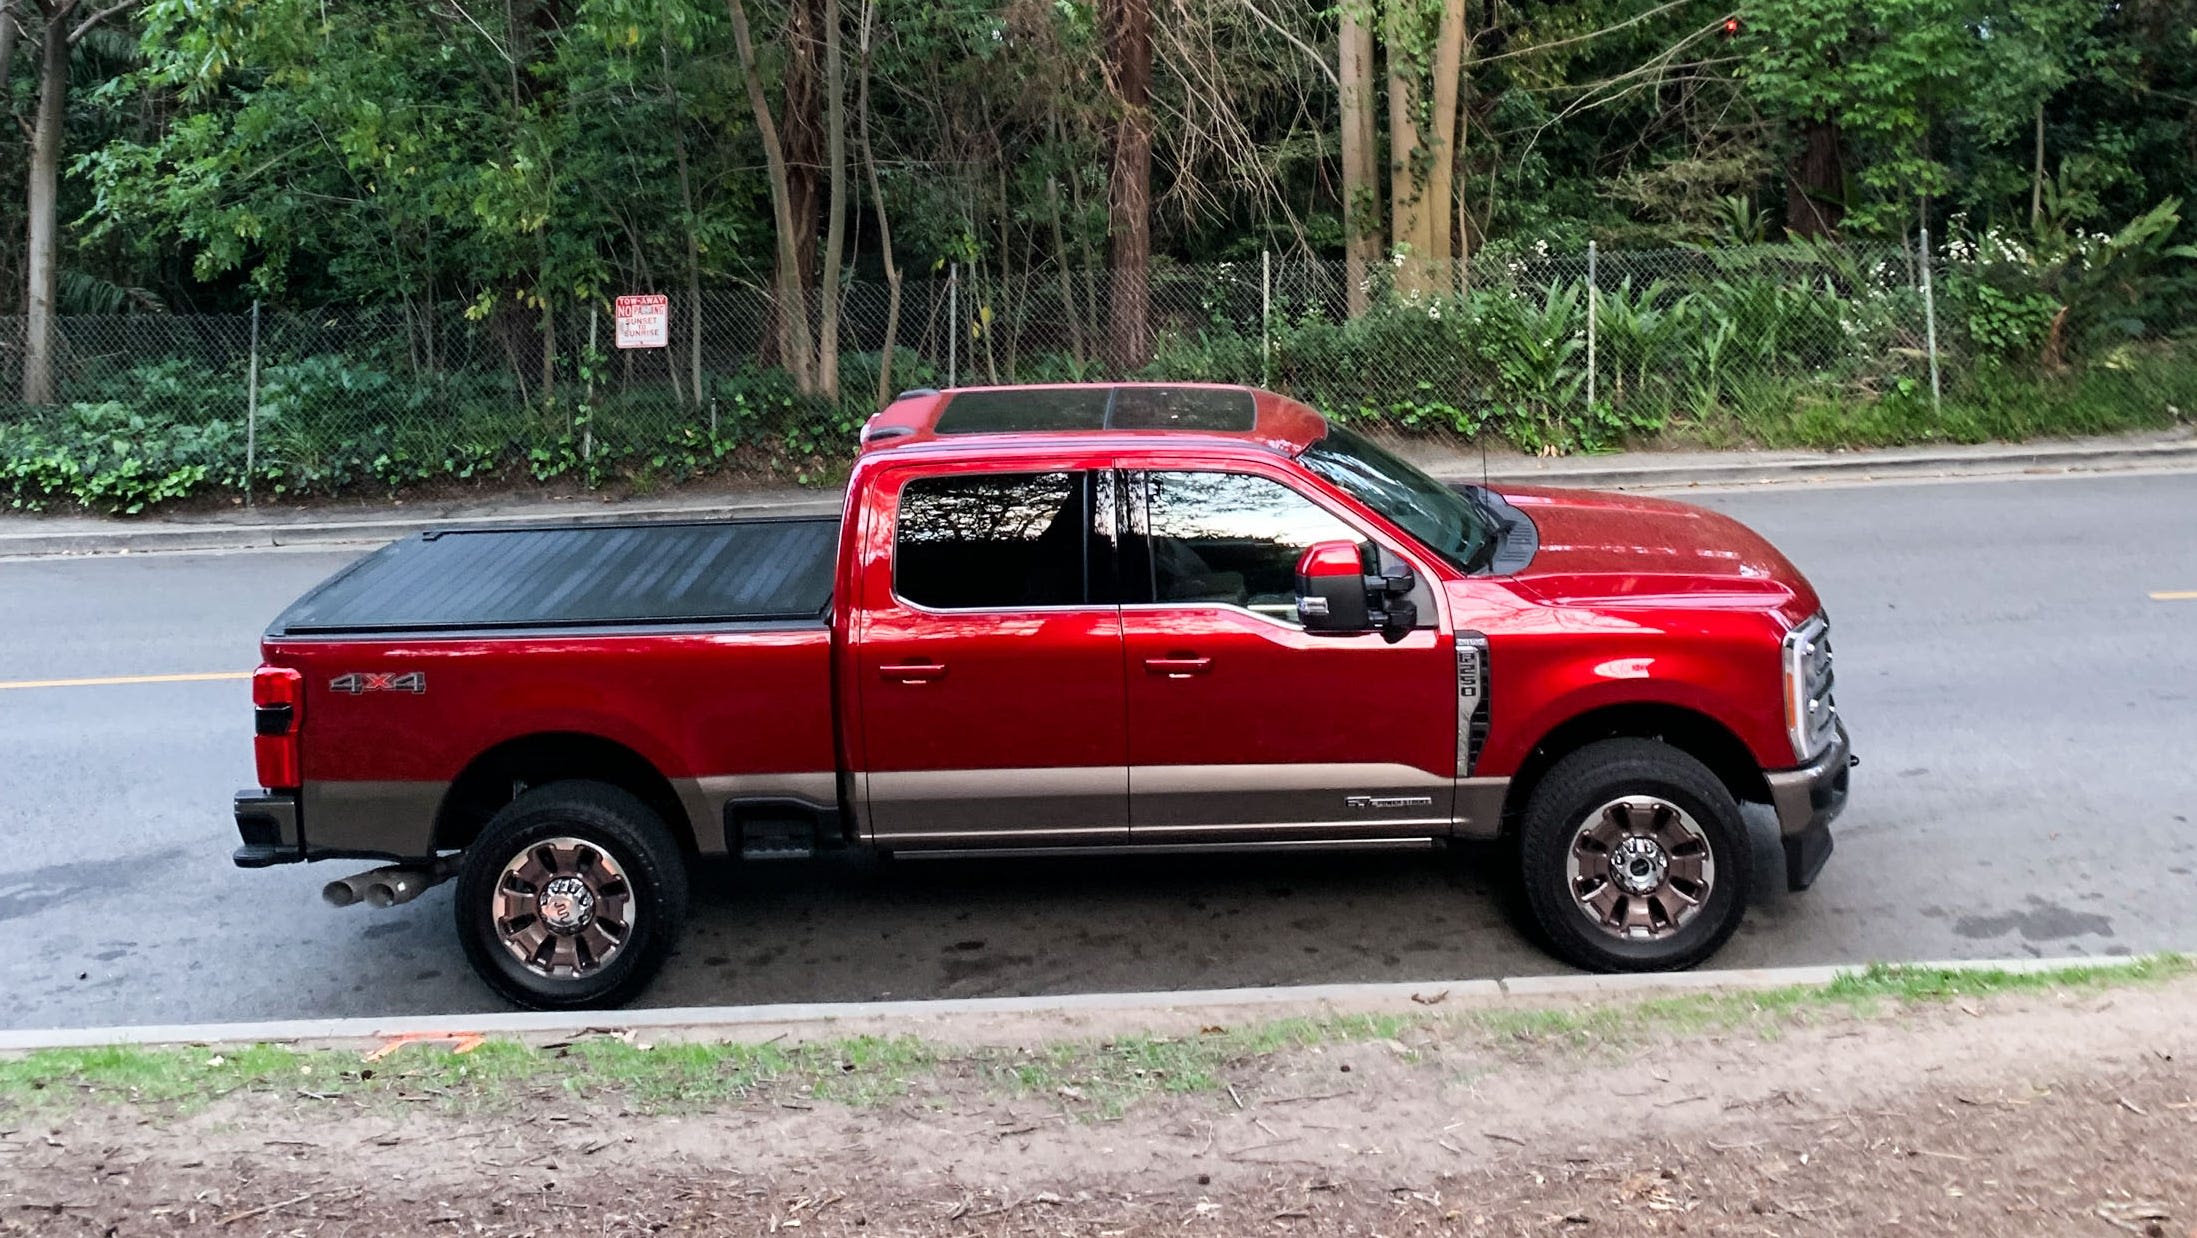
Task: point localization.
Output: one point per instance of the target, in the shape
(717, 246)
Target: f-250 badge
(359, 683)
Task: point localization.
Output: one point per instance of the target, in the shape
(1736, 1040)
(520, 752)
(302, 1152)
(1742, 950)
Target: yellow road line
(2183, 595)
(201, 677)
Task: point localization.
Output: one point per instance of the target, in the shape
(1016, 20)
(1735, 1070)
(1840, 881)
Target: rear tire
(572, 897)
(1635, 858)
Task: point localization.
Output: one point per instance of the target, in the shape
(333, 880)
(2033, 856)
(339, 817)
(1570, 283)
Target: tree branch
(1634, 20)
(1294, 41)
(85, 27)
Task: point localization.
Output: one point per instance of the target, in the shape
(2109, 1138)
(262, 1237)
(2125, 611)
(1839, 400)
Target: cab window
(1227, 538)
(1002, 541)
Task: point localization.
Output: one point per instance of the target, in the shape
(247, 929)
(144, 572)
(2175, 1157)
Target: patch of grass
(1770, 1011)
(1094, 1078)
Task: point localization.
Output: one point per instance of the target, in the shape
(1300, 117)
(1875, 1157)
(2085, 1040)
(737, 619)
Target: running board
(1221, 848)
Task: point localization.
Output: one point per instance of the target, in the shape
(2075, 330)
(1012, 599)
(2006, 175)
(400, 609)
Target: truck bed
(465, 580)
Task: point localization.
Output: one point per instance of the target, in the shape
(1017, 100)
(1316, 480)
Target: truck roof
(966, 415)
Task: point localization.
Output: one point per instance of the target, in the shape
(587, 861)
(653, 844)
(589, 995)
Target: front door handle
(912, 672)
(1178, 667)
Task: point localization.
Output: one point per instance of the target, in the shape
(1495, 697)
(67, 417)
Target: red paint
(1331, 559)
(1629, 600)
(692, 704)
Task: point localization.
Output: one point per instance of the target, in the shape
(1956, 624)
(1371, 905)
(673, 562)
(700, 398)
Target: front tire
(572, 897)
(1635, 858)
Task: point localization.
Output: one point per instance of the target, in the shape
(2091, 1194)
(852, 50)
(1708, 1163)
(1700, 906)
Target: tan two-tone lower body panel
(1169, 804)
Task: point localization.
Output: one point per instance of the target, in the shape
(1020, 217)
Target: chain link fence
(1545, 351)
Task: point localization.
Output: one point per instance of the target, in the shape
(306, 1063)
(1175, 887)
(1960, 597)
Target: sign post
(644, 321)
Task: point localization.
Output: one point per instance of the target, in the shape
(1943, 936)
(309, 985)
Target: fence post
(953, 323)
(1930, 324)
(1594, 298)
(1266, 314)
(587, 422)
(251, 409)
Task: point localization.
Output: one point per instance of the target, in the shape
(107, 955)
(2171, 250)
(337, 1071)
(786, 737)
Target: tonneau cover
(578, 575)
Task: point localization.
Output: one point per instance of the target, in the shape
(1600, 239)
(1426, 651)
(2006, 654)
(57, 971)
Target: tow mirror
(1331, 592)
(1341, 588)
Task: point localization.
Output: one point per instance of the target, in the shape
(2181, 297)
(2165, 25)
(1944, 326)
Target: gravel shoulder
(2042, 1110)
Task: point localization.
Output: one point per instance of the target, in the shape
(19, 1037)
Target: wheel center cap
(1637, 865)
(566, 904)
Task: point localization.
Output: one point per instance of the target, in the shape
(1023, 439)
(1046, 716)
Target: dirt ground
(2054, 1114)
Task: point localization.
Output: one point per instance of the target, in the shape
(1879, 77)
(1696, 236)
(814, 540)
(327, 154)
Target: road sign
(644, 321)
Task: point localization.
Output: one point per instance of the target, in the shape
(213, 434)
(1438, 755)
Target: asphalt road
(2025, 709)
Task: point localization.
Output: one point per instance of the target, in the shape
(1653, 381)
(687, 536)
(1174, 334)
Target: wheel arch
(497, 776)
(1691, 731)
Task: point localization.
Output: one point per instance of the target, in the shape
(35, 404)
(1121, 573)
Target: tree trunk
(2036, 175)
(835, 232)
(1067, 284)
(1461, 170)
(1815, 191)
(44, 249)
(1361, 192)
(694, 244)
(792, 309)
(884, 223)
(8, 30)
(1129, 187)
(1449, 49)
(801, 133)
(1407, 227)
(549, 350)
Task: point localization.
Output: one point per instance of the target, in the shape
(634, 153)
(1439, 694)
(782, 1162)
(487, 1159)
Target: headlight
(1811, 718)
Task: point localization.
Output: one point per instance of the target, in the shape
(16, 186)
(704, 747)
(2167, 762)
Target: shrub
(110, 458)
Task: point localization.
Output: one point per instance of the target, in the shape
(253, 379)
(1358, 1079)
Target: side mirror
(1331, 589)
(1341, 588)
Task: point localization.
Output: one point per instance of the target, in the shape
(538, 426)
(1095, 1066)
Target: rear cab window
(1005, 541)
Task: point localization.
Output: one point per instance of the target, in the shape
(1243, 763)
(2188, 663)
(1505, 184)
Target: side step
(781, 829)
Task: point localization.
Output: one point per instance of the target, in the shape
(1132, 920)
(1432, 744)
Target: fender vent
(1472, 700)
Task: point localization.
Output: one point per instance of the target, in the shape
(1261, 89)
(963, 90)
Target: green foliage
(2043, 298)
(110, 458)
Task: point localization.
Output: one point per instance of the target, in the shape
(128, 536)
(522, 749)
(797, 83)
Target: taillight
(278, 706)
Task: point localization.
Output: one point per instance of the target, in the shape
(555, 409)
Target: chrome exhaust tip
(389, 885)
(395, 885)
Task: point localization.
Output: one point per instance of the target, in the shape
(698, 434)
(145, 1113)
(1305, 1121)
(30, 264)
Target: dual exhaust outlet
(389, 885)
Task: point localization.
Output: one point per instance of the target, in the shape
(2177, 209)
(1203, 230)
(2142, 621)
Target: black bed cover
(566, 576)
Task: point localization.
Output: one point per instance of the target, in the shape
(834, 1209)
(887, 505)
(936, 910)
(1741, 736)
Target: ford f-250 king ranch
(1075, 619)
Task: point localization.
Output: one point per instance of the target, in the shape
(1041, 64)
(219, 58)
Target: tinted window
(1025, 408)
(1450, 524)
(1182, 408)
(1012, 540)
(1098, 408)
(1230, 538)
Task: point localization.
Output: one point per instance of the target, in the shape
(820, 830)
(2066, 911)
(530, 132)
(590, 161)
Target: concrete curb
(808, 1021)
(1637, 475)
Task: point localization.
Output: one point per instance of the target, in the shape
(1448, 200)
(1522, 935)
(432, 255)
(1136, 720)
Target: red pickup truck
(1072, 619)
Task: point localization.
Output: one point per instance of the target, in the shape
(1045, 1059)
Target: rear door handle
(912, 672)
(1178, 668)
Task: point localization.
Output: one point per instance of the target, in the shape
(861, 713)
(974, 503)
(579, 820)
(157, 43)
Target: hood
(1611, 548)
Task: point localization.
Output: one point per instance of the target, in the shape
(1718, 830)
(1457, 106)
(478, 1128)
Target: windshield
(1446, 522)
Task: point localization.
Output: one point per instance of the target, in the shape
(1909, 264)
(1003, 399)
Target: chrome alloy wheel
(1640, 868)
(563, 908)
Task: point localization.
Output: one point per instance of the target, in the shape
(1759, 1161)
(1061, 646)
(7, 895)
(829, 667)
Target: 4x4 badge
(360, 682)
